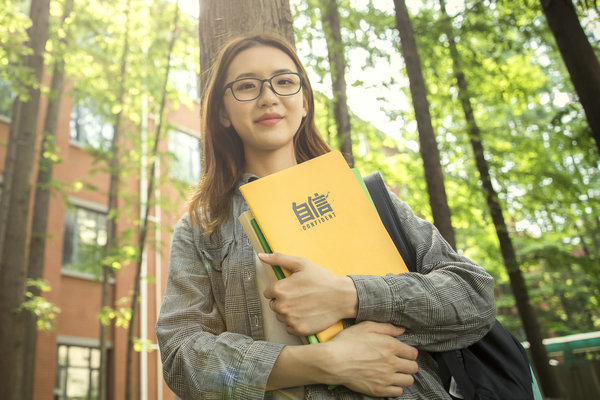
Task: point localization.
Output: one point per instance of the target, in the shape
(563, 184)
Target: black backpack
(496, 367)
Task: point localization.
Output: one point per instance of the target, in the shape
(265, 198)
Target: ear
(224, 118)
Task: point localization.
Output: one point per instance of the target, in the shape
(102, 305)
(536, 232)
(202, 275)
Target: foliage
(43, 310)
(543, 161)
(13, 49)
(146, 345)
(121, 314)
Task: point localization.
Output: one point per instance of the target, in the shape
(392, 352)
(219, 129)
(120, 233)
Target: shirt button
(256, 320)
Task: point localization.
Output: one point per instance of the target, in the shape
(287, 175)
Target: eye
(286, 80)
(247, 84)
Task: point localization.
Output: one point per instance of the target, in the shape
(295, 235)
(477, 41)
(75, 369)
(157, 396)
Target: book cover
(260, 245)
(318, 210)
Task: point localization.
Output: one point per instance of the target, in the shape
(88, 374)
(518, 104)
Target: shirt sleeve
(448, 304)
(200, 359)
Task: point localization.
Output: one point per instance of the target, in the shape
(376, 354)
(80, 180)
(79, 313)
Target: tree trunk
(39, 223)
(579, 58)
(221, 20)
(517, 282)
(13, 264)
(428, 146)
(9, 166)
(146, 209)
(337, 66)
(111, 225)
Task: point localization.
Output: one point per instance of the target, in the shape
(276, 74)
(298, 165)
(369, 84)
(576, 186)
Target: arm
(449, 304)
(200, 359)
(366, 358)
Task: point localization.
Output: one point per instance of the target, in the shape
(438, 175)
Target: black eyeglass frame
(262, 85)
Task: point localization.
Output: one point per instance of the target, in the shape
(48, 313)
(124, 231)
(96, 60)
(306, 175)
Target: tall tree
(142, 233)
(330, 17)
(220, 20)
(579, 58)
(111, 224)
(15, 203)
(428, 144)
(39, 223)
(518, 285)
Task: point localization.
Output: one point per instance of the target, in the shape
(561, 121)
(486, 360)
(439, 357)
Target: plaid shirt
(210, 328)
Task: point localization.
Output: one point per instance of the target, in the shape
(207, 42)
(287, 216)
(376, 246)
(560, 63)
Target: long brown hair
(223, 158)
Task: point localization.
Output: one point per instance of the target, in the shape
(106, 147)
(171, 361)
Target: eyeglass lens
(250, 88)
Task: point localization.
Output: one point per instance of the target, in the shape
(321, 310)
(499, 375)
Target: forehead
(260, 61)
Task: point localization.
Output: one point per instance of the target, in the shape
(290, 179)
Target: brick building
(67, 358)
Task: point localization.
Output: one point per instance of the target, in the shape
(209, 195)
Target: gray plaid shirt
(210, 328)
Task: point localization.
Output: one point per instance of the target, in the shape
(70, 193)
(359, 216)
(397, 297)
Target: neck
(263, 164)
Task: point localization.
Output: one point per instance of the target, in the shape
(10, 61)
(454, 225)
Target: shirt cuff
(255, 371)
(375, 298)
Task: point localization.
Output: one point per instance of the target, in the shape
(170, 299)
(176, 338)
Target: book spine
(276, 268)
(265, 245)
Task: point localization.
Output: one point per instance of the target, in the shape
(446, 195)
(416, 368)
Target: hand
(368, 358)
(312, 298)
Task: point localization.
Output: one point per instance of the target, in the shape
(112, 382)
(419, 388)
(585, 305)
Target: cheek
(234, 114)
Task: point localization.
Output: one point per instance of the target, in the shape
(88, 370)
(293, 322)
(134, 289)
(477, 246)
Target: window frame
(77, 342)
(174, 162)
(80, 124)
(76, 203)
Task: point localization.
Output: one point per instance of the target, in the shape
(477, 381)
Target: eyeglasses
(248, 89)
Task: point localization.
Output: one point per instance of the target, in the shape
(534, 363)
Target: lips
(269, 119)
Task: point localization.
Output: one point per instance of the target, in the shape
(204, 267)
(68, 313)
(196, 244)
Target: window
(184, 163)
(77, 373)
(88, 127)
(85, 237)
(185, 82)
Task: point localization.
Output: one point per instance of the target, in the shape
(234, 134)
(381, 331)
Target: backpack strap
(385, 207)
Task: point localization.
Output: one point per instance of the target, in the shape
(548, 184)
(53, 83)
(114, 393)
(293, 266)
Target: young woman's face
(269, 122)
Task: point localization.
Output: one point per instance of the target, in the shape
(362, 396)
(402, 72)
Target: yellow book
(260, 245)
(318, 210)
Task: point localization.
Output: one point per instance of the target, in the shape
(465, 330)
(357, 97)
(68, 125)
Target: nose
(269, 95)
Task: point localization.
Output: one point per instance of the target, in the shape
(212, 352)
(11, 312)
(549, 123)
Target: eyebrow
(253, 75)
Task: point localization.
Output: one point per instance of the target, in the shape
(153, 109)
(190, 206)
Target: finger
(272, 305)
(269, 291)
(403, 380)
(405, 351)
(384, 328)
(405, 366)
(290, 263)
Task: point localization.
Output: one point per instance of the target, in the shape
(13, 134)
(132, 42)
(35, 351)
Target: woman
(225, 333)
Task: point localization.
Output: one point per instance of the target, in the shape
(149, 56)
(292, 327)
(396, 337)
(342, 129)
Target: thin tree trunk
(337, 67)
(579, 58)
(9, 166)
(39, 224)
(221, 20)
(144, 223)
(111, 230)
(428, 146)
(517, 282)
(13, 264)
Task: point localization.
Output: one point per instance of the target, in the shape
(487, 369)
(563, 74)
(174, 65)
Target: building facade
(68, 357)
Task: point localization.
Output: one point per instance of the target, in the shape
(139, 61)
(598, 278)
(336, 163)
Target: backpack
(496, 367)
